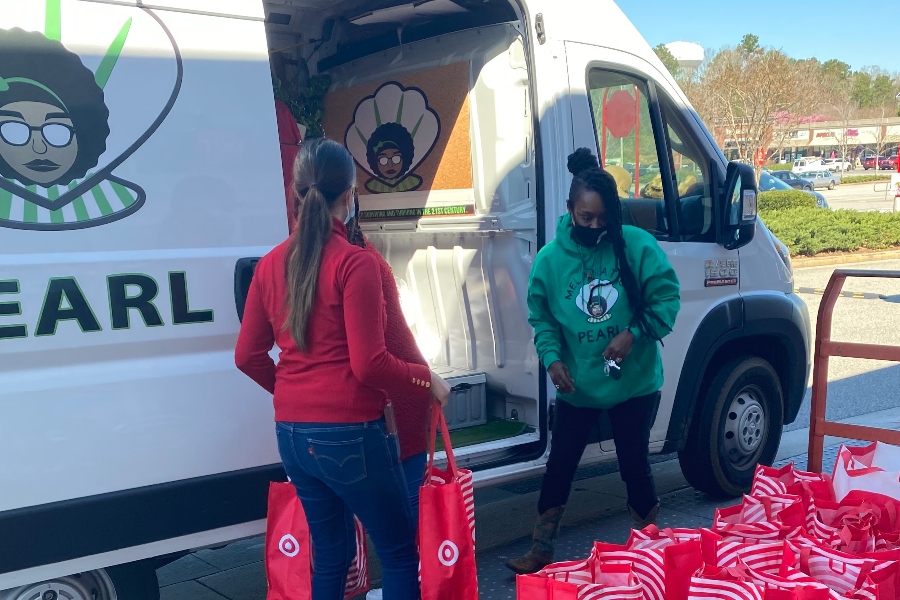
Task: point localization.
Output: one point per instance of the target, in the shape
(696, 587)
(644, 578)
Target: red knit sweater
(412, 414)
(343, 376)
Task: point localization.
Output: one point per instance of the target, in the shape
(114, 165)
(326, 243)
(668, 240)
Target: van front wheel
(133, 581)
(736, 426)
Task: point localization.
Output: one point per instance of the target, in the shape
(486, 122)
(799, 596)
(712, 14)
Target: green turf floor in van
(493, 430)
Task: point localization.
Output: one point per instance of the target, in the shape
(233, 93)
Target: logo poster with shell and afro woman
(409, 136)
(69, 116)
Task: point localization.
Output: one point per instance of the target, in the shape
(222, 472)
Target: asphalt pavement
(862, 392)
(860, 196)
(857, 387)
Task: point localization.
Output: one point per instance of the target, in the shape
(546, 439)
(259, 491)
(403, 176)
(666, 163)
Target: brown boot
(542, 542)
(642, 522)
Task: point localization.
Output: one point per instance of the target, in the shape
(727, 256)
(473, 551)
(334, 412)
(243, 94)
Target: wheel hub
(745, 428)
(94, 585)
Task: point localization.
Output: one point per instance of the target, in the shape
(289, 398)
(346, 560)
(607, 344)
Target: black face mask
(587, 236)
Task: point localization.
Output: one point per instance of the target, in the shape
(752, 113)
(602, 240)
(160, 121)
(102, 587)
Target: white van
(805, 165)
(140, 178)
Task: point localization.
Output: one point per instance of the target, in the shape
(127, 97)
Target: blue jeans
(346, 469)
(414, 469)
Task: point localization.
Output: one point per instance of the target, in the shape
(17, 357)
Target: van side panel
(117, 367)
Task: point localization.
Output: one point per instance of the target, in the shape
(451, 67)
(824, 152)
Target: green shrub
(811, 231)
(865, 178)
(781, 167)
(785, 199)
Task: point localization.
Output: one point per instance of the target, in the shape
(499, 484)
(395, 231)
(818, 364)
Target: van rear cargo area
(433, 103)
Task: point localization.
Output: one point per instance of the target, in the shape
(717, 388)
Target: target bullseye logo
(289, 546)
(448, 553)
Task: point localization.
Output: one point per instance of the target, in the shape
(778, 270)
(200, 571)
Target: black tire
(133, 581)
(831, 185)
(724, 467)
(807, 188)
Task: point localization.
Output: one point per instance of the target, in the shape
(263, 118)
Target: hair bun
(581, 160)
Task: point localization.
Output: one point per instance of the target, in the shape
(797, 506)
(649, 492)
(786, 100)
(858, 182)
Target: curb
(873, 182)
(844, 259)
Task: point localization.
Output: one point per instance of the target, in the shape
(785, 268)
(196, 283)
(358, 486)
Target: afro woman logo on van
(392, 132)
(57, 151)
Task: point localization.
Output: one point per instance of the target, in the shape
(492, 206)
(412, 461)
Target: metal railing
(825, 349)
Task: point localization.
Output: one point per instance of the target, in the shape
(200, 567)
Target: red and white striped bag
(724, 583)
(847, 575)
(653, 538)
(662, 561)
(590, 579)
(819, 516)
(770, 481)
(648, 564)
(790, 581)
(464, 477)
(779, 508)
(447, 566)
(791, 584)
(358, 574)
(289, 552)
(718, 551)
(872, 470)
(729, 522)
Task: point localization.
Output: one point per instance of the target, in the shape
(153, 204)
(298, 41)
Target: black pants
(631, 422)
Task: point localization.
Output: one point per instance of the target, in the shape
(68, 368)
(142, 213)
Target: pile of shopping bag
(796, 536)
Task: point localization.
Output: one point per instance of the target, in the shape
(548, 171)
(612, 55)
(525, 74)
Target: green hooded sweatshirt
(578, 305)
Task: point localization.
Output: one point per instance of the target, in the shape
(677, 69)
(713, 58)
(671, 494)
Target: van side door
(668, 172)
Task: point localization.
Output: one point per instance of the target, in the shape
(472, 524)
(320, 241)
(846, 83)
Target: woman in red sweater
(319, 299)
(412, 415)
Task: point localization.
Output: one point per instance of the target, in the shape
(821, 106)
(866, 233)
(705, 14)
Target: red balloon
(620, 114)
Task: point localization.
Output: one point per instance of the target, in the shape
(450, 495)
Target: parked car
(791, 178)
(769, 183)
(872, 162)
(820, 199)
(806, 164)
(837, 164)
(822, 179)
(889, 163)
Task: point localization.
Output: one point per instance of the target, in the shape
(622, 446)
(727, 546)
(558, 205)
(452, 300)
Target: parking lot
(859, 196)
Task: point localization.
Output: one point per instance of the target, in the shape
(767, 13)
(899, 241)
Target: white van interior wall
(464, 279)
(464, 297)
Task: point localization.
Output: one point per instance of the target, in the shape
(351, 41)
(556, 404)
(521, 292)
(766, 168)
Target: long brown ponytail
(323, 172)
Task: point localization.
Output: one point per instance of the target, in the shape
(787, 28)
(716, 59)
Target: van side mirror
(739, 210)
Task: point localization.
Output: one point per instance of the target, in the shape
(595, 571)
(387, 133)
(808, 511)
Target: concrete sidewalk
(505, 516)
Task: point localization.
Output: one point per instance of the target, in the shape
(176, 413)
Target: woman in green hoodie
(602, 296)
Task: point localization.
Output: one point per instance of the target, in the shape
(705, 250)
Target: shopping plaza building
(860, 138)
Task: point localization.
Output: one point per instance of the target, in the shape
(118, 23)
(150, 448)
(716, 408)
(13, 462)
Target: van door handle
(243, 275)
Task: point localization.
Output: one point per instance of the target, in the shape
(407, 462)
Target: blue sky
(824, 29)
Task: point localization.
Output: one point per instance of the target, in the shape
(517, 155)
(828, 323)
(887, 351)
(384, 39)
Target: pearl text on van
(127, 292)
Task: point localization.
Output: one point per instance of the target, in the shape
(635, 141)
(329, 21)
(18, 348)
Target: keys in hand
(612, 369)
